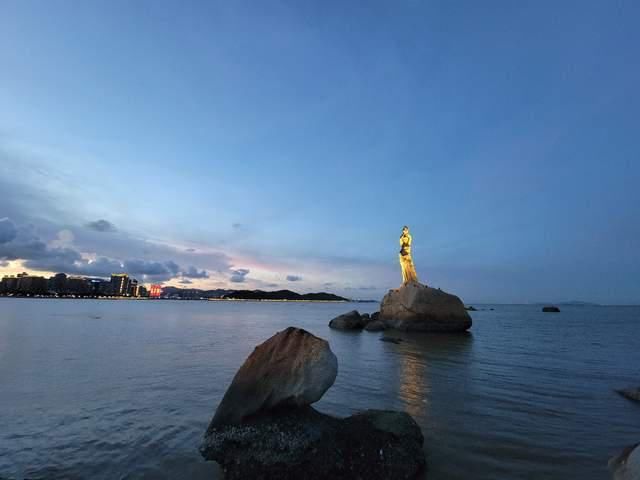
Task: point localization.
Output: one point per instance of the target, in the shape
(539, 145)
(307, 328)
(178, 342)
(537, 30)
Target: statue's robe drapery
(406, 263)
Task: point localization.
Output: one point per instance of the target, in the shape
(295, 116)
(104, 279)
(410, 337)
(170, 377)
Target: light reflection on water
(100, 389)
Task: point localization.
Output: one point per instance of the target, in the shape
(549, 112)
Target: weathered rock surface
(304, 443)
(416, 307)
(348, 321)
(626, 466)
(375, 326)
(292, 368)
(550, 309)
(630, 393)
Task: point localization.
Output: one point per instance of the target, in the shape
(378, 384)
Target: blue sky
(284, 145)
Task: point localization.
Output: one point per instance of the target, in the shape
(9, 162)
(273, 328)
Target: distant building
(156, 291)
(58, 283)
(133, 290)
(120, 284)
(31, 285)
(78, 286)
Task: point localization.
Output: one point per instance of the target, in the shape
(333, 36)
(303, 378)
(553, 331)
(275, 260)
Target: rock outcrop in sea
(626, 465)
(265, 427)
(630, 393)
(416, 307)
(550, 309)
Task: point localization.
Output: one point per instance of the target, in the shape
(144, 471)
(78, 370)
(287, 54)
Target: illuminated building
(156, 291)
(119, 284)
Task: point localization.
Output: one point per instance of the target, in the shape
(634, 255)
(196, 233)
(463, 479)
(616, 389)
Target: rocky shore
(265, 428)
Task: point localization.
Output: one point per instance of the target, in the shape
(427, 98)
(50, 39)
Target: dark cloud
(101, 226)
(8, 230)
(238, 275)
(156, 270)
(272, 285)
(27, 246)
(185, 281)
(4, 263)
(236, 226)
(294, 278)
(190, 250)
(193, 272)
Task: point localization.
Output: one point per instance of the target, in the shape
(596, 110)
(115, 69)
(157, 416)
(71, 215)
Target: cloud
(193, 272)
(101, 226)
(238, 275)
(185, 281)
(4, 263)
(237, 226)
(60, 256)
(190, 250)
(294, 278)
(8, 230)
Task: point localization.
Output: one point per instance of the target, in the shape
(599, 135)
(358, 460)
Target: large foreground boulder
(292, 368)
(416, 307)
(626, 465)
(264, 428)
(304, 443)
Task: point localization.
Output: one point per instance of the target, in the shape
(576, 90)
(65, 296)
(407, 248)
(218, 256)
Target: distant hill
(196, 293)
(283, 295)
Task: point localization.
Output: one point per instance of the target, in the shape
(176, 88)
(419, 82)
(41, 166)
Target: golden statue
(406, 263)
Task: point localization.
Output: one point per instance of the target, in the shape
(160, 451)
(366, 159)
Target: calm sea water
(125, 389)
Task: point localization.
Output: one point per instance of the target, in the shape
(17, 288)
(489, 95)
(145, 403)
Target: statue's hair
(405, 227)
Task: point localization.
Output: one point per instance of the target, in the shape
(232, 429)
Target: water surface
(125, 389)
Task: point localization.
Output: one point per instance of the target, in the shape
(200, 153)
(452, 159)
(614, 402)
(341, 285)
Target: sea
(124, 389)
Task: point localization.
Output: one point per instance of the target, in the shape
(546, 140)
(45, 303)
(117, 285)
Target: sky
(285, 144)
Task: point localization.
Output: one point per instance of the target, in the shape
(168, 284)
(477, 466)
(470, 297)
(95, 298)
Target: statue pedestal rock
(416, 307)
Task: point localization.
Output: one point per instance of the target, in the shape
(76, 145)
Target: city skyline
(275, 147)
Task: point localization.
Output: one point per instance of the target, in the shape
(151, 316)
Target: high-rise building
(58, 283)
(133, 288)
(119, 284)
(31, 285)
(9, 284)
(78, 286)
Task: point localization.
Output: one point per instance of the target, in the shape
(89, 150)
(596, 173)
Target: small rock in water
(550, 309)
(348, 321)
(630, 393)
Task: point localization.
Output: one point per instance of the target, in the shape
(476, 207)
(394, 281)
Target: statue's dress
(406, 263)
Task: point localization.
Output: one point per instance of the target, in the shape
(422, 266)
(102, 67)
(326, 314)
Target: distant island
(283, 295)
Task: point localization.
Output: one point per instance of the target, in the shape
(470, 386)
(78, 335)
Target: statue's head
(405, 229)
